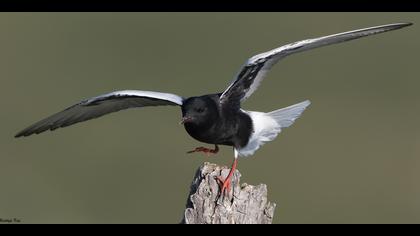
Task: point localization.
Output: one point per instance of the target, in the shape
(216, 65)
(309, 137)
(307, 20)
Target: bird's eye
(199, 110)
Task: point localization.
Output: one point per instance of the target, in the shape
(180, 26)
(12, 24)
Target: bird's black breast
(230, 127)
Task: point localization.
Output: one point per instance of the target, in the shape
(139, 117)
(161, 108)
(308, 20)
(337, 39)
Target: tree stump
(244, 204)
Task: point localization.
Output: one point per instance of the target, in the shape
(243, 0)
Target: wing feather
(256, 67)
(101, 105)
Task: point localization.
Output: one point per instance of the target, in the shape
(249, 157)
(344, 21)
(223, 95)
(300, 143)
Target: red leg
(225, 184)
(207, 151)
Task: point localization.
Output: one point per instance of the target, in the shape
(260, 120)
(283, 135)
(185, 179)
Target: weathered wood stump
(247, 205)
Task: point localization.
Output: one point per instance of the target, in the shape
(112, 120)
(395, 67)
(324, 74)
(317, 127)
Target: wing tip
(29, 131)
(23, 133)
(401, 25)
(406, 23)
(305, 103)
(20, 134)
(26, 133)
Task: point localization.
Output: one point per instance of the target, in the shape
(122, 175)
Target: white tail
(286, 116)
(268, 125)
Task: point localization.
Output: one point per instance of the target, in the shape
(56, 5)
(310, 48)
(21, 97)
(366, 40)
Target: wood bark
(243, 204)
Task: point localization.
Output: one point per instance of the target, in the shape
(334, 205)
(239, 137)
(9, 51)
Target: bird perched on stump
(214, 118)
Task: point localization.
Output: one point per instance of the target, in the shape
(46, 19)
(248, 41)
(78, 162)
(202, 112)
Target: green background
(353, 157)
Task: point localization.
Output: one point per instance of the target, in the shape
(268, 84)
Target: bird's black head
(199, 111)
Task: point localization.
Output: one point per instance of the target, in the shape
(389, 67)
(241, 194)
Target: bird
(218, 118)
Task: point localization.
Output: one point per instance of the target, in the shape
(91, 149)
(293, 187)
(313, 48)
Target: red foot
(225, 184)
(207, 151)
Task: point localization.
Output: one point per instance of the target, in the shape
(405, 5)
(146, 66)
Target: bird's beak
(185, 119)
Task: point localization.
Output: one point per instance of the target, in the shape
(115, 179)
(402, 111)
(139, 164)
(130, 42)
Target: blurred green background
(353, 157)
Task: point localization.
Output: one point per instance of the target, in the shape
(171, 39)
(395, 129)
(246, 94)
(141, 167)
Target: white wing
(256, 68)
(101, 105)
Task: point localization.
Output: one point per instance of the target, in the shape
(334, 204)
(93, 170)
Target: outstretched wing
(99, 106)
(256, 68)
